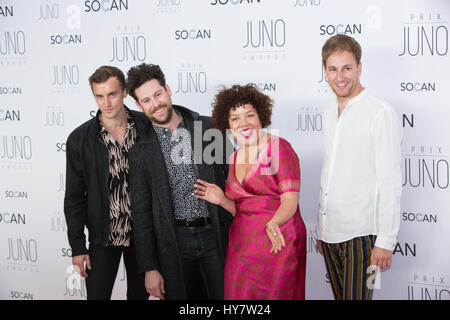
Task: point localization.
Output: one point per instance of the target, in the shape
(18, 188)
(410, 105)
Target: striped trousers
(347, 264)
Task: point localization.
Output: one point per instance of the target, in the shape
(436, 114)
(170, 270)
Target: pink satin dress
(251, 271)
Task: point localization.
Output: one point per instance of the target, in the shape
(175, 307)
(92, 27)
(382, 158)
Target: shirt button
(324, 213)
(326, 193)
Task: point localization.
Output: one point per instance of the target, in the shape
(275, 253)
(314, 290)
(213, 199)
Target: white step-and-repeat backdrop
(49, 48)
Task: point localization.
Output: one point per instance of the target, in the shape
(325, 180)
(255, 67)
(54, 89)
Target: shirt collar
(130, 123)
(353, 100)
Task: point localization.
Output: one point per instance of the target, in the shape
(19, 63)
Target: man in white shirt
(360, 187)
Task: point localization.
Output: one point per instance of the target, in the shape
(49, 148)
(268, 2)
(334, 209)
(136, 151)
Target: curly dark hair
(236, 96)
(142, 73)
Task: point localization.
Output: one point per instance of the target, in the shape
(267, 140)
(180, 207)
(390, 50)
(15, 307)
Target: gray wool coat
(152, 206)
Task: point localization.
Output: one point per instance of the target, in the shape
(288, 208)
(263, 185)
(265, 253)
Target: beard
(164, 121)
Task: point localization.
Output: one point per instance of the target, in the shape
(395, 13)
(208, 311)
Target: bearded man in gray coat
(180, 240)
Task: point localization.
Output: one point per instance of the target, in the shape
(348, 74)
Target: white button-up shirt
(360, 184)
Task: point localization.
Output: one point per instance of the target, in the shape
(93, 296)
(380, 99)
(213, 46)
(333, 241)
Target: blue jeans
(201, 261)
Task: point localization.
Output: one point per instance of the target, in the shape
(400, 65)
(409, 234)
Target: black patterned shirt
(119, 190)
(182, 172)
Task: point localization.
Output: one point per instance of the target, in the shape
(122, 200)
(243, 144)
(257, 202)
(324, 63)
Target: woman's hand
(275, 236)
(209, 192)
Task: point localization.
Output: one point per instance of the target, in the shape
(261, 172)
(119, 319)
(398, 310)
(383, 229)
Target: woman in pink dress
(266, 256)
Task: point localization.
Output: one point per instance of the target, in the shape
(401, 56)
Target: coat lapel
(205, 172)
(154, 160)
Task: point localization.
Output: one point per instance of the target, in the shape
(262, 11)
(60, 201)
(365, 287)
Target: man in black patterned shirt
(97, 191)
(180, 240)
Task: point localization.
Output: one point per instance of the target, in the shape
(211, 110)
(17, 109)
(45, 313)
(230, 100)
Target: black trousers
(202, 265)
(104, 265)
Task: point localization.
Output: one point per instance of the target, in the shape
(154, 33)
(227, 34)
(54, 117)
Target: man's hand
(381, 257)
(319, 246)
(78, 262)
(154, 284)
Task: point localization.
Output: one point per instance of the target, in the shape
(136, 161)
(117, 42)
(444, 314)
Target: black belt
(199, 222)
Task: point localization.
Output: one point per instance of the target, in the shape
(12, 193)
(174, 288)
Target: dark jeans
(104, 265)
(202, 264)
